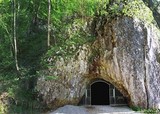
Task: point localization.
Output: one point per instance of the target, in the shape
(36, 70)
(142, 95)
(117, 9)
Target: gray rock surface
(69, 109)
(126, 54)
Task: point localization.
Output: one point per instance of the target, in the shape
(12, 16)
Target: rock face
(126, 54)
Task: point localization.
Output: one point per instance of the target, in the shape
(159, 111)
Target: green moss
(138, 9)
(132, 8)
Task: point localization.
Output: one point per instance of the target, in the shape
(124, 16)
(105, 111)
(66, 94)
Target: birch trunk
(15, 35)
(49, 18)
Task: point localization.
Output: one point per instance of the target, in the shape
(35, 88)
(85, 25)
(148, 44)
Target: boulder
(126, 53)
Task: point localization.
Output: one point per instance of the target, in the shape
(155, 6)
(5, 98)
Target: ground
(69, 109)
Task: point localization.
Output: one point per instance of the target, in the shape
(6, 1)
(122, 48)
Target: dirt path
(69, 109)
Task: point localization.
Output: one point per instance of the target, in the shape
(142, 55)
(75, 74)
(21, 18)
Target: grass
(146, 111)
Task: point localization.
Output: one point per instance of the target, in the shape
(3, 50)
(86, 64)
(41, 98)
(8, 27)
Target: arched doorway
(100, 93)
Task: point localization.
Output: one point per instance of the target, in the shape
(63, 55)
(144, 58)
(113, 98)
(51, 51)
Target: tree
(49, 18)
(14, 34)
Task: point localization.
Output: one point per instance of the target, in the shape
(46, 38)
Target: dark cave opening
(100, 93)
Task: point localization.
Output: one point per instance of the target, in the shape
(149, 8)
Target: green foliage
(114, 9)
(24, 98)
(2, 109)
(25, 108)
(69, 26)
(146, 111)
(136, 108)
(138, 9)
(151, 111)
(131, 8)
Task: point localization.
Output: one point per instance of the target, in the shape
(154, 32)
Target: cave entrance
(100, 93)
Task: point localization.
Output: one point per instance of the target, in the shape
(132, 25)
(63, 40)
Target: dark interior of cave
(100, 93)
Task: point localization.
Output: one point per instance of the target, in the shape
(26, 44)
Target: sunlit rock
(125, 54)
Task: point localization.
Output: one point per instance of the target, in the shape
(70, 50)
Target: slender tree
(49, 18)
(15, 35)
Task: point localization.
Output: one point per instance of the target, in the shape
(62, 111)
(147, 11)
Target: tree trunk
(49, 18)
(15, 35)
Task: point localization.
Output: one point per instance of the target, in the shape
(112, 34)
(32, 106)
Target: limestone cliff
(126, 53)
(129, 55)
